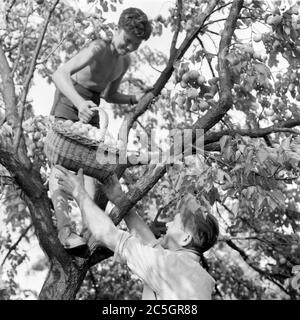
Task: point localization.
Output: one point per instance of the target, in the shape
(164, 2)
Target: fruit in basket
(89, 132)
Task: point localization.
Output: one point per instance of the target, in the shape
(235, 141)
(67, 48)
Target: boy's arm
(111, 94)
(63, 81)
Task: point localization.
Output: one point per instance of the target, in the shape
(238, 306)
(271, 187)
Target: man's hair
(205, 230)
(204, 227)
(135, 21)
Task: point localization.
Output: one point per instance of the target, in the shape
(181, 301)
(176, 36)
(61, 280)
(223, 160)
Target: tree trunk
(63, 283)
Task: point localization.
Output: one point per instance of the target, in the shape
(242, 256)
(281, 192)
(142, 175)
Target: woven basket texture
(73, 152)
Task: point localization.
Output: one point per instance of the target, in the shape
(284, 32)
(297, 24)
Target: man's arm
(139, 227)
(63, 81)
(99, 224)
(134, 222)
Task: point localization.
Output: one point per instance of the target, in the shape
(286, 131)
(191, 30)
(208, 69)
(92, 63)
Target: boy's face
(125, 42)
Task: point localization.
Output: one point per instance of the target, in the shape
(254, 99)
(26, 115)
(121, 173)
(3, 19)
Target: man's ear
(186, 239)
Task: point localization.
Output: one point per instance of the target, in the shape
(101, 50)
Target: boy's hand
(71, 183)
(86, 110)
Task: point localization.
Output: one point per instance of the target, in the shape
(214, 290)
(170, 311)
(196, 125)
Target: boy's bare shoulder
(98, 46)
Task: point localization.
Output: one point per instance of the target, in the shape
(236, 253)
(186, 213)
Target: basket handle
(103, 122)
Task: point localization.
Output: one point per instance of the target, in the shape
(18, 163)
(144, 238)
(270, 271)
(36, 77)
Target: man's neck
(190, 252)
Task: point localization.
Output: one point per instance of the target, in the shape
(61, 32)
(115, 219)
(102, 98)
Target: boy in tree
(170, 267)
(97, 70)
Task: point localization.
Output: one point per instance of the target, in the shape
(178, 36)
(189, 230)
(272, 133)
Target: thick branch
(141, 189)
(143, 186)
(214, 115)
(38, 203)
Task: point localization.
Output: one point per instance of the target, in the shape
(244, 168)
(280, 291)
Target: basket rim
(60, 130)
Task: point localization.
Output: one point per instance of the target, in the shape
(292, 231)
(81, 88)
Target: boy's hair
(204, 227)
(135, 21)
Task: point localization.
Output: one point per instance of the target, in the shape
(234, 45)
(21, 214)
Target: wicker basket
(73, 152)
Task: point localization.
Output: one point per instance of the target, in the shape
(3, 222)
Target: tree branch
(209, 63)
(14, 246)
(256, 133)
(30, 75)
(178, 25)
(36, 198)
(8, 92)
(21, 43)
(245, 257)
(9, 9)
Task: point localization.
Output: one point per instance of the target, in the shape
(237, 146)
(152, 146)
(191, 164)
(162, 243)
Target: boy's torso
(102, 70)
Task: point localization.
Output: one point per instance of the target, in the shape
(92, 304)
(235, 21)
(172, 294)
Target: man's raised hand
(113, 190)
(71, 183)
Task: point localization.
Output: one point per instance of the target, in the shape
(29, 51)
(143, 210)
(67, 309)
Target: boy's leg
(90, 186)
(66, 231)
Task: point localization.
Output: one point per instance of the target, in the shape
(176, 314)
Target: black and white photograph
(149, 150)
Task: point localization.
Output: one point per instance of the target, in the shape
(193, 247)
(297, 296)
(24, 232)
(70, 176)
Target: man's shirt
(167, 275)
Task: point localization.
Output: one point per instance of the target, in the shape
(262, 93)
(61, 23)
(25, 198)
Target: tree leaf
(285, 144)
(262, 155)
(263, 69)
(223, 141)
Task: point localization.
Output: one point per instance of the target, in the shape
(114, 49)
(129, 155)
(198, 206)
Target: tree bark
(62, 283)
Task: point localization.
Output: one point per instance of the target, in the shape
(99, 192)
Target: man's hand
(71, 183)
(113, 190)
(86, 110)
(138, 97)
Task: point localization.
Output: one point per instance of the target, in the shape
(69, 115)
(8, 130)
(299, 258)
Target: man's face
(175, 231)
(125, 42)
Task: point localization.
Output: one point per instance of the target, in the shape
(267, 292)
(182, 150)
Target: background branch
(15, 245)
(177, 30)
(255, 133)
(265, 274)
(30, 75)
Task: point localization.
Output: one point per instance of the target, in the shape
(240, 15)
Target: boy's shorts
(63, 108)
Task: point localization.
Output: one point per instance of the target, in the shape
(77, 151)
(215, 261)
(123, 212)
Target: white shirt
(167, 275)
